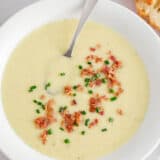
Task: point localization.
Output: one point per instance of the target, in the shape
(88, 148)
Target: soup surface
(78, 108)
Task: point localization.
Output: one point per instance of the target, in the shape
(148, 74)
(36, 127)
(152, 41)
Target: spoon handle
(88, 7)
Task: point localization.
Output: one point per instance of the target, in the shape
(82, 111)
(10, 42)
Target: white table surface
(9, 7)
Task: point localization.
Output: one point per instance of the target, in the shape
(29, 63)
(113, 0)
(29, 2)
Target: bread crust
(146, 16)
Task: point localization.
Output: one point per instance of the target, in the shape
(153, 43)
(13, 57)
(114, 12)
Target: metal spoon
(88, 7)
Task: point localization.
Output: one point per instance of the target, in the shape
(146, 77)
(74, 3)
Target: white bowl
(108, 13)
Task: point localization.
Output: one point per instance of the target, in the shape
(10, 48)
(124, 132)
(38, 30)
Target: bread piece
(150, 11)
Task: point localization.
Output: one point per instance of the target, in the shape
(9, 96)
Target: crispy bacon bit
(120, 112)
(77, 117)
(116, 63)
(50, 111)
(87, 72)
(101, 113)
(70, 120)
(42, 97)
(68, 90)
(98, 82)
(105, 70)
(149, 2)
(93, 104)
(98, 46)
(92, 49)
(100, 98)
(73, 102)
(43, 137)
(113, 58)
(93, 123)
(120, 91)
(44, 121)
(94, 57)
(79, 88)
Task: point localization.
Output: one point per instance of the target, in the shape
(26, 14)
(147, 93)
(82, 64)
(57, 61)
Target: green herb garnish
(110, 119)
(38, 111)
(75, 87)
(106, 62)
(83, 112)
(90, 63)
(103, 80)
(62, 109)
(62, 74)
(39, 103)
(83, 133)
(111, 90)
(87, 79)
(74, 94)
(47, 85)
(113, 99)
(49, 132)
(32, 88)
(66, 141)
(97, 110)
(90, 92)
(87, 122)
(61, 129)
(104, 129)
(80, 67)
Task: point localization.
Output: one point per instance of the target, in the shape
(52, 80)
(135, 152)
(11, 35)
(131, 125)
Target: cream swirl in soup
(99, 95)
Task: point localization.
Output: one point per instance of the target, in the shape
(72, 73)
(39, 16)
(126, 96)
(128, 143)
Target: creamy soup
(78, 108)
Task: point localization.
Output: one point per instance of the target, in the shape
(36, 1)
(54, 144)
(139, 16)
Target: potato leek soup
(78, 108)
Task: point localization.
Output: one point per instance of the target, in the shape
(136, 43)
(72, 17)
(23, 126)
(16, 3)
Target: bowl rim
(14, 16)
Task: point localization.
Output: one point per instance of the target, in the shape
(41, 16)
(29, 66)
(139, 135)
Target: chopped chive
(90, 92)
(32, 88)
(97, 110)
(111, 90)
(83, 112)
(61, 129)
(113, 99)
(87, 121)
(104, 129)
(38, 111)
(74, 94)
(95, 77)
(90, 63)
(83, 133)
(62, 109)
(80, 67)
(47, 85)
(49, 132)
(103, 80)
(43, 106)
(66, 141)
(107, 62)
(86, 84)
(62, 74)
(111, 120)
(39, 103)
(75, 87)
(76, 124)
(87, 79)
(35, 101)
